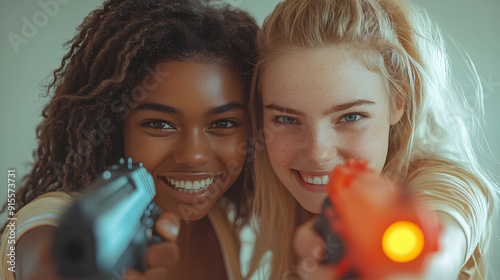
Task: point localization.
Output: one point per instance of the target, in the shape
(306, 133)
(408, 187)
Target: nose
(194, 149)
(320, 147)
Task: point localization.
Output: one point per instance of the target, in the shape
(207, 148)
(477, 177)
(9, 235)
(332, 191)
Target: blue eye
(285, 119)
(351, 117)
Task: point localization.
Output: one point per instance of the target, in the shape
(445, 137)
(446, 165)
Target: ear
(397, 112)
(398, 108)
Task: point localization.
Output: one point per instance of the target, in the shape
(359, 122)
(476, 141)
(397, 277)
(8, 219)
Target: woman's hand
(445, 264)
(161, 255)
(310, 248)
(36, 261)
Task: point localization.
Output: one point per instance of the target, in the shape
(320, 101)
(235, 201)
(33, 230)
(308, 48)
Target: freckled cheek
(369, 143)
(282, 148)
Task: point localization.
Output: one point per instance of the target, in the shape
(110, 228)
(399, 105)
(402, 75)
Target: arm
(35, 261)
(34, 258)
(121, 198)
(357, 220)
(446, 264)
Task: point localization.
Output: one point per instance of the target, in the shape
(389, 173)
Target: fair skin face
(323, 107)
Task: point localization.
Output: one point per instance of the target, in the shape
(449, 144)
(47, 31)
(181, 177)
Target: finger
(167, 226)
(133, 274)
(308, 243)
(157, 273)
(162, 254)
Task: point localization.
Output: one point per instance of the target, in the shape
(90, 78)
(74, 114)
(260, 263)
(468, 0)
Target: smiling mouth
(189, 186)
(313, 179)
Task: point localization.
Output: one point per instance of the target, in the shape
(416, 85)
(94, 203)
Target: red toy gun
(373, 229)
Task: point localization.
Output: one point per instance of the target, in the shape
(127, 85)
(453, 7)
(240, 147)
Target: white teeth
(196, 185)
(316, 180)
(325, 180)
(190, 186)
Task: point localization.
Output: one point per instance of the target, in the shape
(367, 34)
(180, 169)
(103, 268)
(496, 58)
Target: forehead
(190, 82)
(333, 71)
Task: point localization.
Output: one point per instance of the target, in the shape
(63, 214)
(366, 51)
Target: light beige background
(474, 25)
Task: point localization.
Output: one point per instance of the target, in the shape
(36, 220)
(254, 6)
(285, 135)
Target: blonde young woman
(369, 79)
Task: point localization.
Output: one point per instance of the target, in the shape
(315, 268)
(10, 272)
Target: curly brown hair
(116, 46)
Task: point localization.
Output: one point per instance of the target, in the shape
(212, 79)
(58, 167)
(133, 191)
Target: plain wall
(24, 66)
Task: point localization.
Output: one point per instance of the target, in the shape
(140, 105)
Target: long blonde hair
(399, 42)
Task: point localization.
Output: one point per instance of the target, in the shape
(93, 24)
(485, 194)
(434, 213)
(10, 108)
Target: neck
(198, 244)
(193, 230)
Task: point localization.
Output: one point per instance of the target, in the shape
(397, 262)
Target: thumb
(167, 226)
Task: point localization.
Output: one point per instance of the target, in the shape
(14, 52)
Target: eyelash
(152, 123)
(233, 124)
(276, 119)
(360, 116)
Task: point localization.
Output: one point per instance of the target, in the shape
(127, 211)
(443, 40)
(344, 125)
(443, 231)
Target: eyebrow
(158, 107)
(225, 108)
(345, 106)
(171, 110)
(283, 109)
(336, 108)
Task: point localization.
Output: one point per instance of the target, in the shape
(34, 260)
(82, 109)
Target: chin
(312, 207)
(190, 212)
(311, 202)
(193, 216)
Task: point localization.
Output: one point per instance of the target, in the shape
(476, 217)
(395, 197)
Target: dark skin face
(189, 131)
(189, 124)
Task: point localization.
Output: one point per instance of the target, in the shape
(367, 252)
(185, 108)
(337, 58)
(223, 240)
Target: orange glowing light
(403, 241)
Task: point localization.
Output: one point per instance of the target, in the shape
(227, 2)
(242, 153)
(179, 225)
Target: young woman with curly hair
(165, 83)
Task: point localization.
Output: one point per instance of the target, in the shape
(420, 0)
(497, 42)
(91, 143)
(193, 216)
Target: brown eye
(158, 124)
(223, 124)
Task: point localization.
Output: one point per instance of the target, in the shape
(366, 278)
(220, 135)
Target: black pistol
(107, 230)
